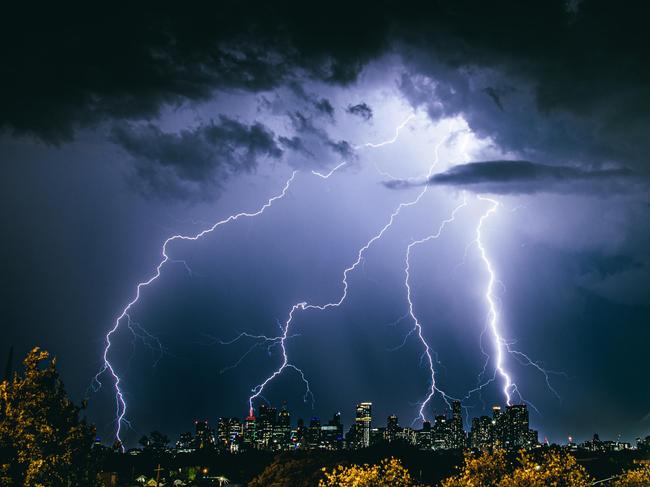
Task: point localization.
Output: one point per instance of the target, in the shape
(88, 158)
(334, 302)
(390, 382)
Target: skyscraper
(266, 420)
(458, 440)
(362, 423)
(516, 431)
(481, 433)
(282, 432)
(392, 428)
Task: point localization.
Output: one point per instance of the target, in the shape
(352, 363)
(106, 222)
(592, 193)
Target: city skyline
(274, 430)
(215, 208)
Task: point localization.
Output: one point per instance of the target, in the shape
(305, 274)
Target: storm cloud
(521, 177)
(195, 162)
(516, 72)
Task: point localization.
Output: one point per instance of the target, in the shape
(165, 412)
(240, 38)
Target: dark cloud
(360, 110)
(295, 144)
(549, 80)
(517, 177)
(305, 126)
(324, 106)
(195, 162)
(66, 67)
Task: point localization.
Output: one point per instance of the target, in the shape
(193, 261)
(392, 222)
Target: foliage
(482, 470)
(388, 473)
(636, 477)
(42, 440)
(290, 471)
(553, 468)
(156, 441)
(550, 468)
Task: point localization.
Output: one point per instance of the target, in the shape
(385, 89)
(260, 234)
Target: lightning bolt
(493, 314)
(500, 345)
(304, 306)
(107, 365)
(417, 326)
(398, 129)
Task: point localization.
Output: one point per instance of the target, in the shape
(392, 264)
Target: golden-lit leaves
(388, 472)
(42, 440)
(635, 477)
(549, 468)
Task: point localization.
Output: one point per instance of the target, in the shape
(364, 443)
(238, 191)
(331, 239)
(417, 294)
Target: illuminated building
(332, 434)
(313, 433)
(363, 422)
(266, 420)
(441, 433)
(481, 433)
(250, 432)
(229, 434)
(458, 439)
(204, 436)
(392, 428)
(282, 431)
(423, 437)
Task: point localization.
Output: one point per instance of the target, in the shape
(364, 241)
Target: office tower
(313, 434)
(363, 421)
(332, 433)
(481, 433)
(423, 437)
(266, 419)
(441, 433)
(498, 427)
(458, 440)
(204, 436)
(250, 432)
(185, 444)
(282, 431)
(229, 432)
(516, 431)
(392, 428)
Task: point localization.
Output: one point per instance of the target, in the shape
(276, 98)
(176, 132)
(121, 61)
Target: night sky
(120, 127)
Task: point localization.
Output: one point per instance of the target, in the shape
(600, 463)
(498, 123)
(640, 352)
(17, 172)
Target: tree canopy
(43, 441)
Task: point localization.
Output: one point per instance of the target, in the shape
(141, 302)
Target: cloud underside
(545, 80)
(194, 163)
(524, 177)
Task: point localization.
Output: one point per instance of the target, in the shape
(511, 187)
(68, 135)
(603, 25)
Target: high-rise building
(458, 439)
(250, 432)
(282, 431)
(313, 434)
(266, 419)
(204, 436)
(229, 433)
(423, 437)
(185, 444)
(498, 427)
(332, 433)
(516, 431)
(481, 433)
(363, 423)
(441, 433)
(392, 428)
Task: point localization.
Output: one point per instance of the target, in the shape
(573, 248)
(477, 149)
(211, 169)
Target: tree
(42, 440)
(388, 473)
(482, 470)
(291, 471)
(547, 468)
(636, 477)
(552, 468)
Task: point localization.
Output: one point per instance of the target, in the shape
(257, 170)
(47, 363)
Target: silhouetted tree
(42, 440)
